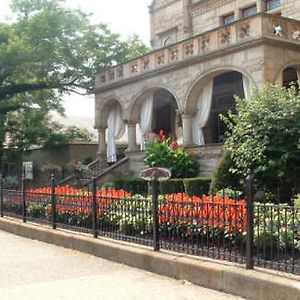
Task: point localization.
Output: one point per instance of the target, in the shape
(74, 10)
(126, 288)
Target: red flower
(174, 145)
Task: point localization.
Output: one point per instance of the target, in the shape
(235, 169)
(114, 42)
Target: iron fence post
(1, 196)
(250, 220)
(53, 202)
(94, 208)
(156, 237)
(23, 195)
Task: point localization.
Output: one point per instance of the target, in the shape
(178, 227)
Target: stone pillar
(101, 142)
(187, 22)
(131, 128)
(260, 6)
(187, 125)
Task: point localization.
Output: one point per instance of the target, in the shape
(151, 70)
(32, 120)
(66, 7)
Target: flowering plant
(162, 152)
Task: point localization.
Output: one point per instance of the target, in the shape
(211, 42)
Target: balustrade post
(24, 214)
(250, 220)
(156, 236)
(1, 196)
(94, 208)
(53, 202)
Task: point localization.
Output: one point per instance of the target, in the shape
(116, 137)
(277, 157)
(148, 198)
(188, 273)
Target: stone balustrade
(252, 28)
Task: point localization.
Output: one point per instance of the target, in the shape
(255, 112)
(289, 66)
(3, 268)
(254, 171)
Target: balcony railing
(232, 35)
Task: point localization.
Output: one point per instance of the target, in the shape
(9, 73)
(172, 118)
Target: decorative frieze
(160, 58)
(273, 27)
(134, 68)
(204, 43)
(296, 35)
(173, 54)
(225, 36)
(145, 63)
(188, 48)
(244, 30)
(120, 71)
(202, 8)
(111, 75)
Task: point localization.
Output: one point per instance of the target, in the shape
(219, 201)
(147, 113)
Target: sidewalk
(35, 270)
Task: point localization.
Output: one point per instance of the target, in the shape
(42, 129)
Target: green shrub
(171, 186)
(161, 152)
(224, 177)
(297, 201)
(232, 194)
(197, 186)
(135, 186)
(37, 210)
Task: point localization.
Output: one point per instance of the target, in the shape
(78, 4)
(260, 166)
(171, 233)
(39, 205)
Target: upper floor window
(228, 19)
(272, 4)
(249, 11)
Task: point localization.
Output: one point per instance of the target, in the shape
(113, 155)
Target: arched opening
(290, 76)
(164, 113)
(154, 110)
(225, 87)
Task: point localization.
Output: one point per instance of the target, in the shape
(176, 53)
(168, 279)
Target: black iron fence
(215, 226)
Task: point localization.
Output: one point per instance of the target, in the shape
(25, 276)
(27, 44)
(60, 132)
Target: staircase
(92, 170)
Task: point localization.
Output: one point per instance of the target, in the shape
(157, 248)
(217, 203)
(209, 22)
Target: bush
(264, 137)
(224, 177)
(171, 186)
(161, 152)
(197, 186)
(134, 186)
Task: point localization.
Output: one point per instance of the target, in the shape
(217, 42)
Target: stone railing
(239, 32)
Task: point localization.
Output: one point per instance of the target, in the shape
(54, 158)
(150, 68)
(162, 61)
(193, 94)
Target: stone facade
(193, 47)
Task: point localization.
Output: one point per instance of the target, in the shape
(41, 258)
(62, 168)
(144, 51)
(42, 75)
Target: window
(249, 11)
(272, 4)
(228, 19)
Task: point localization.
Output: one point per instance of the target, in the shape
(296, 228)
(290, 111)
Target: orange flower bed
(208, 211)
(73, 200)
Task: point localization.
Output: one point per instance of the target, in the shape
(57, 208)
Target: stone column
(187, 21)
(260, 6)
(187, 125)
(131, 128)
(101, 142)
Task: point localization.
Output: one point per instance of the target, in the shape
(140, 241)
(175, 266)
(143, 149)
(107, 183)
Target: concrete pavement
(34, 270)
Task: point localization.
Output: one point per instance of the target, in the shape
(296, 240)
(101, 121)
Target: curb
(249, 284)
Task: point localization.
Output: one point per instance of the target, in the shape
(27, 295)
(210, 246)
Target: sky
(123, 17)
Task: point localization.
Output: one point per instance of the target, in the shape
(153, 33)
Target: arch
(132, 113)
(106, 107)
(291, 64)
(215, 88)
(190, 99)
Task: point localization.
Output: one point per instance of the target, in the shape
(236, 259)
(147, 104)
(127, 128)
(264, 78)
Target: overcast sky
(124, 17)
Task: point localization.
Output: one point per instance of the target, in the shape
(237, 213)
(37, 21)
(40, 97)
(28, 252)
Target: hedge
(197, 186)
(192, 186)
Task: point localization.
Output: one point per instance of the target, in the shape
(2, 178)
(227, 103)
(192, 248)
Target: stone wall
(169, 18)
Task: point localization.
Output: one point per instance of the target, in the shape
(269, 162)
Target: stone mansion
(203, 53)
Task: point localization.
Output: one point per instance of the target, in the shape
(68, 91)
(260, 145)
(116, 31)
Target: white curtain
(115, 130)
(203, 111)
(298, 74)
(247, 87)
(146, 119)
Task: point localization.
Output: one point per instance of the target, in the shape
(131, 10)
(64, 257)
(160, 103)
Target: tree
(51, 50)
(51, 47)
(264, 136)
(29, 127)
